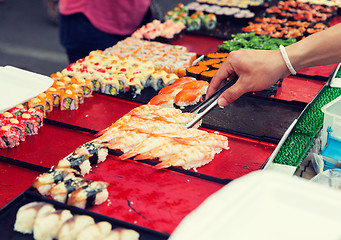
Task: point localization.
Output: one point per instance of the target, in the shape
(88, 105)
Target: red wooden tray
(13, 181)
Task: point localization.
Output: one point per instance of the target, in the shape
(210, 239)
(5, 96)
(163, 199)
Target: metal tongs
(209, 103)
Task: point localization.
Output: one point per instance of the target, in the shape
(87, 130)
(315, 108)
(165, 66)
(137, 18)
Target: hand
(257, 70)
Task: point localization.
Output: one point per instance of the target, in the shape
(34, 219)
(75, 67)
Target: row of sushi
(64, 184)
(46, 223)
(152, 132)
(300, 11)
(235, 11)
(331, 3)
(233, 3)
(156, 30)
(183, 92)
(171, 58)
(17, 123)
(287, 29)
(193, 22)
(112, 75)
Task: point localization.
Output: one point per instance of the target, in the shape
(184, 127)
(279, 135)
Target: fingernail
(222, 102)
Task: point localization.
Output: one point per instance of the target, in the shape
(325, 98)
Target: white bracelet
(287, 60)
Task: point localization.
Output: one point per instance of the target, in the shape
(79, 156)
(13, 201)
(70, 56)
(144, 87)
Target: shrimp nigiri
(128, 141)
(190, 157)
(208, 139)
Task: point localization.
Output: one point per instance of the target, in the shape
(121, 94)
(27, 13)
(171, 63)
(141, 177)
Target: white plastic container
(332, 120)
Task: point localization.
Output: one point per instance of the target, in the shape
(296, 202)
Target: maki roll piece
(122, 81)
(56, 76)
(169, 79)
(86, 85)
(9, 137)
(48, 99)
(6, 116)
(95, 231)
(73, 226)
(156, 81)
(31, 124)
(110, 86)
(187, 97)
(78, 162)
(122, 233)
(93, 194)
(96, 152)
(209, 21)
(208, 75)
(19, 127)
(18, 110)
(96, 83)
(28, 214)
(55, 96)
(44, 182)
(163, 100)
(59, 85)
(135, 84)
(47, 226)
(195, 71)
(38, 115)
(60, 192)
(75, 88)
(68, 100)
(37, 103)
(193, 22)
(218, 55)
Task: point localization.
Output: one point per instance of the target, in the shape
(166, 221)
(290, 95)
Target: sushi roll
(163, 100)
(96, 82)
(68, 100)
(195, 71)
(135, 84)
(48, 99)
(187, 97)
(75, 88)
(194, 22)
(209, 21)
(9, 137)
(28, 214)
(44, 182)
(19, 127)
(156, 81)
(46, 227)
(96, 152)
(59, 85)
(123, 81)
(93, 194)
(30, 124)
(38, 115)
(73, 226)
(78, 162)
(95, 231)
(37, 103)
(169, 79)
(6, 116)
(56, 76)
(18, 110)
(122, 233)
(110, 86)
(55, 96)
(86, 85)
(60, 192)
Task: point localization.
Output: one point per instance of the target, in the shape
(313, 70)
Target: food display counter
(141, 197)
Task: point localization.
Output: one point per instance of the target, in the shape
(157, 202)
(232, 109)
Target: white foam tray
(18, 85)
(265, 205)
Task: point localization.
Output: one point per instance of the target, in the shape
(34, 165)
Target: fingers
(219, 79)
(231, 94)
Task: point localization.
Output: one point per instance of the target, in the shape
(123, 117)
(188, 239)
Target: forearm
(322, 48)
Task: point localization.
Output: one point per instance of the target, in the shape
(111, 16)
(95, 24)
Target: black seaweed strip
(312, 77)
(30, 195)
(69, 126)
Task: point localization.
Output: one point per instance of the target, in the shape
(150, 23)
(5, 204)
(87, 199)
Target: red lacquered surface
(13, 181)
(97, 112)
(324, 71)
(48, 147)
(148, 197)
(244, 156)
(299, 89)
(199, 44)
